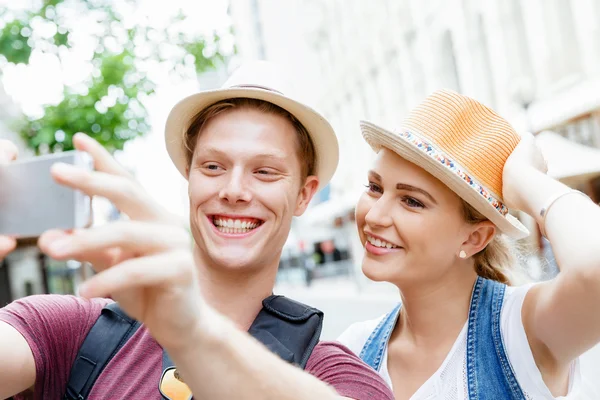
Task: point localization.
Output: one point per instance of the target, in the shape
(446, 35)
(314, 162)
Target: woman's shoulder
(514, 297)
(355, 336)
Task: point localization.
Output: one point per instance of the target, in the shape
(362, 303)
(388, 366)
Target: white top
(449, 382)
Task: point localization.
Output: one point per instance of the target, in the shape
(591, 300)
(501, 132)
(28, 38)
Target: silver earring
(462, 254)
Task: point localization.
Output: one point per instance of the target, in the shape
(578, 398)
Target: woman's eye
(413, 203)
(373, 187)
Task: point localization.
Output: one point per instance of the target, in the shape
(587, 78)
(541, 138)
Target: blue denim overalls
(489, 373)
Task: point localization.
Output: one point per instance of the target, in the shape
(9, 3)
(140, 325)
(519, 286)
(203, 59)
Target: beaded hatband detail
(428, 149)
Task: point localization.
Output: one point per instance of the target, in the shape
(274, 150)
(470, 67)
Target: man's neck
(238, 295)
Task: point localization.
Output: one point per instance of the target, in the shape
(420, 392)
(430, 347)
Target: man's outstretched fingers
(141, 272)
(6, 246)
(123, 192)
(8, 151)
(103, 160)
(130, 236)
(100, 259)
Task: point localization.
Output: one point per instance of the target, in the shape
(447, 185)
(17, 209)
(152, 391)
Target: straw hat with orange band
(462, 143)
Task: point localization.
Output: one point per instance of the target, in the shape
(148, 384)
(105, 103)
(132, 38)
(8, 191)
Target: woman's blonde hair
(499, 260)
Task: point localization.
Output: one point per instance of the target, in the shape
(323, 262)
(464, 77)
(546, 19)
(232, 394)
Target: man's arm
(17, 369)
(159, 287)
(240, 367)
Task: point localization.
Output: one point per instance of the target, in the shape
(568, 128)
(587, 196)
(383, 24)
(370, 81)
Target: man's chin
(236, 262)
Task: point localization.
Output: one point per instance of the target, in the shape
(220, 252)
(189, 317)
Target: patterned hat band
(438, 155)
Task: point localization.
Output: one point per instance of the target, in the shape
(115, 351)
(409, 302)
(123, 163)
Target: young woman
(434, 221)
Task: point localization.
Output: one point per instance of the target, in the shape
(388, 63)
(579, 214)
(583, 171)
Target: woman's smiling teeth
(228, 225)
(380, 243)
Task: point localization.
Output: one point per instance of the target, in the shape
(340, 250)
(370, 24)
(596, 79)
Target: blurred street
(344, 303)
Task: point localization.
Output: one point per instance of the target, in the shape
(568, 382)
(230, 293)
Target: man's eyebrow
(277, 156)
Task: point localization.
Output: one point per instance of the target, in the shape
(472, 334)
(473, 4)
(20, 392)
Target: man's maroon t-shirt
(55, 327)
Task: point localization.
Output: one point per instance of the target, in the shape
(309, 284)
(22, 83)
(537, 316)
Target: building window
(416, 68)
(485, 64)
(564, 58)
(447, 67)
(258, 30)
(583, 130)
(517, 47)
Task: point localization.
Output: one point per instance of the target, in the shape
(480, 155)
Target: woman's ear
(480, 236)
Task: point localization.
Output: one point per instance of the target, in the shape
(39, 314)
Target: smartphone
(31, 202)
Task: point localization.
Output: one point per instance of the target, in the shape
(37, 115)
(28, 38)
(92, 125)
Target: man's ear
(188, 167)
(307, 191)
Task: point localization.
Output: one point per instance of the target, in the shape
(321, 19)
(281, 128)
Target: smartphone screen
(31, 202)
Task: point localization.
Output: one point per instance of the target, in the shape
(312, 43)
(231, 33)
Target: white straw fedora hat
(263, 81)
(462, 143)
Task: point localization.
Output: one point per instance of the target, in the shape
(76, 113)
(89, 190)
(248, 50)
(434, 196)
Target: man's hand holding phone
(145, 263)
(8, 153)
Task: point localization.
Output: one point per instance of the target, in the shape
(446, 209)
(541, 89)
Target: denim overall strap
(374, 348)
(489, 373)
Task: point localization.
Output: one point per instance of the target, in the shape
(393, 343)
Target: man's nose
(236, 188)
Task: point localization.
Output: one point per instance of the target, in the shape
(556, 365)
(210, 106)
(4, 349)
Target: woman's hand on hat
(525, 162)
(8, 152)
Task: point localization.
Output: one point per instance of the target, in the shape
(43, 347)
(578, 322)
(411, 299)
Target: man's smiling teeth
(234, 225)
(380, 243)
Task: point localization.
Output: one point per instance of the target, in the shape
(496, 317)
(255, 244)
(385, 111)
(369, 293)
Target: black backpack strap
(288, 328)
(166, 361)
(108, 335)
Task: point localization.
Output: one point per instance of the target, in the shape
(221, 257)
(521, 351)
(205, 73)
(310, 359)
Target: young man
(253, 158)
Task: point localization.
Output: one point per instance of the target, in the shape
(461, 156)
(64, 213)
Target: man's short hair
(304, 144)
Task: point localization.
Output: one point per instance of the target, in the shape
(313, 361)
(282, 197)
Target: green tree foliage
(109, 105)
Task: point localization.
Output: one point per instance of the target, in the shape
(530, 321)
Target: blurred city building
(536, 62)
